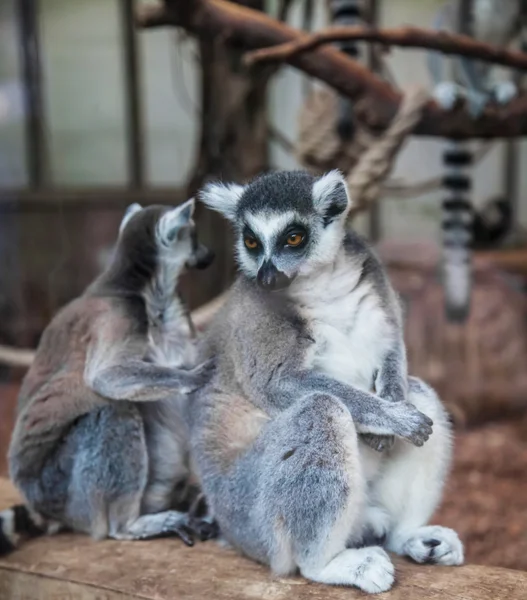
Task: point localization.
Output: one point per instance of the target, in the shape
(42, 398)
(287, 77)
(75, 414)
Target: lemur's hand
(408, 423)
(380, 443)
(199, 376)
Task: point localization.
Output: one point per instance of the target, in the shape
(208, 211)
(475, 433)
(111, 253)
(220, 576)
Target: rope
(366, 179)
(367, 159)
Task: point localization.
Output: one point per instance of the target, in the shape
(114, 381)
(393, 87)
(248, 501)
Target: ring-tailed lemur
(99, 443)
(346, 12)
(309, 352)
(493, 21)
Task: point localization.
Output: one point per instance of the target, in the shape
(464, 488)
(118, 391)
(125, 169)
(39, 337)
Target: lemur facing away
(99, 442)
(496, 22)
(309, 354)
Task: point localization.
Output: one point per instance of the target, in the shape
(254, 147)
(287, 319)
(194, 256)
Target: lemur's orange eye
(294, 239)
(251, 243)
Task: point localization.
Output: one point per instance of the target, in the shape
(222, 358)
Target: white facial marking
(266, 226)
(326, 185)
(222, 198)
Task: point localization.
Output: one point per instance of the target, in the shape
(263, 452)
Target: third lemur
(310, 354)
(99, 442)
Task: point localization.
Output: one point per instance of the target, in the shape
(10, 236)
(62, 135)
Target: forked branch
(375, 101)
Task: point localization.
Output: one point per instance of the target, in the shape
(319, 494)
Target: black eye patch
(295, 237)
(251, 241)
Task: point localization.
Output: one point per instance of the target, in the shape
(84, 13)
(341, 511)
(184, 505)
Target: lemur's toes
(185, 534)
(447, 94)
(380, 443)
(207, 530)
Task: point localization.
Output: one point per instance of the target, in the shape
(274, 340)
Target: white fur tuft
(222, 198)
(128, 214)
(325, 188)
(175, 219)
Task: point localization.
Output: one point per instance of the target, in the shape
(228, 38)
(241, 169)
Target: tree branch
(406, 37)
(375, 101)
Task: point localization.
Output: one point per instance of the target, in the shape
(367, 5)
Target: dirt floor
(486, 496)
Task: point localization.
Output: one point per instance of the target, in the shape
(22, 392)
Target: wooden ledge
(74, 566)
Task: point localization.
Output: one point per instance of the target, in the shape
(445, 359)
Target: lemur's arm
(275, 380)
(371, 414)
(116, 368)
(391, 382)
(136, 380)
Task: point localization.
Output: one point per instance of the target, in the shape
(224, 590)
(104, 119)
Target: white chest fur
(169, 335)
(347, 322)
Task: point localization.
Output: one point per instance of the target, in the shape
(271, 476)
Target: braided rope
(368, 159)
(373, 167)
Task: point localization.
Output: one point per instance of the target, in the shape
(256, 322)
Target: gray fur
(275, 434)
(496, 22)
(100, 438)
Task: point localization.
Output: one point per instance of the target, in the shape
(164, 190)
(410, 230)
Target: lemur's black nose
(270, 278)
(204, 257)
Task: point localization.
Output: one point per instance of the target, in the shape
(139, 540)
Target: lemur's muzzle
(203, 257)
(270, 278)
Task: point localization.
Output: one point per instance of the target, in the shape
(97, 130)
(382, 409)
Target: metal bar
(375, 217)
(132, 81)
(23, 200)
(29, 45)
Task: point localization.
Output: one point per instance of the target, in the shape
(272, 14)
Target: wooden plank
(74, 566)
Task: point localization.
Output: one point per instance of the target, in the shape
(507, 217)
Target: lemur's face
(169, 233)
(287, 224)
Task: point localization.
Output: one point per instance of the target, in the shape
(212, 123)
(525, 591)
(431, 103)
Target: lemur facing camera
(310, 356)
(99, 442)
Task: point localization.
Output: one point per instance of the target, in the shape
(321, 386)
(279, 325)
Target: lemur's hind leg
(320, 489)
(109, 479)
(410, 489)
(295, 497)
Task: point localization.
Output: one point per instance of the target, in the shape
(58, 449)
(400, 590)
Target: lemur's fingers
(411, 424)
(380, 443)
(201, 375)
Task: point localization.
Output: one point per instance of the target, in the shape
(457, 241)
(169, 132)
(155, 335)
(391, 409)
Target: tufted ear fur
(128, 214)
(174, 220)
(330, 196)
(222, 198)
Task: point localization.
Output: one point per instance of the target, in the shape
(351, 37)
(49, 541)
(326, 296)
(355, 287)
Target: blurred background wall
(55, 235)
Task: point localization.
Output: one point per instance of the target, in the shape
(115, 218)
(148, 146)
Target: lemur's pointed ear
(128, 214)
(330, 195)
(222, 198)
(174, 220)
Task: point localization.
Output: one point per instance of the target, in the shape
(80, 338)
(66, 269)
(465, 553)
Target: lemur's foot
(504, 92)
(370, 569)
(178, 524)
(433, 545)
(447, 94)
(201, 523)
(380, 443)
